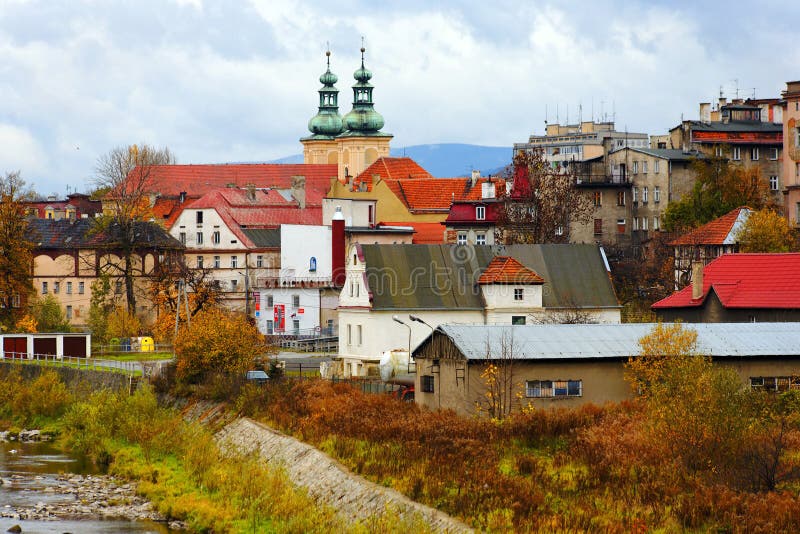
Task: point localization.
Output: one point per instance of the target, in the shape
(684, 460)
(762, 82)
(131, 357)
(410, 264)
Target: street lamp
(419, 320)
(396, 319)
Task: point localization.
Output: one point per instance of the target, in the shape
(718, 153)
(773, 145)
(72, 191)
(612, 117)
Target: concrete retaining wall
(72, 377)
(328, 481)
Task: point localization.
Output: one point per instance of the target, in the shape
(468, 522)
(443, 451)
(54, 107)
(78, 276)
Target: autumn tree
(217, 341)
(49, 315)
(127, 174)
(16, 251)
(101, 305)
(542, 203)
(720, 186)
(765, 231)
(502, 388)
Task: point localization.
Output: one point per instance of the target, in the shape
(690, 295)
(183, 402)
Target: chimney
(251, 192)
(299, 190)
(487, 189)
(182, 197)
(337, 248)
(722, 102)
(697, 280)
(705, 112)
(476, 174)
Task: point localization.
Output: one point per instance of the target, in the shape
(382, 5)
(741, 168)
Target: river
(31, 471)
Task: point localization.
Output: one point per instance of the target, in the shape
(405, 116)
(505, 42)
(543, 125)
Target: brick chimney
(337, 247)
(251, 192)
(697, 280)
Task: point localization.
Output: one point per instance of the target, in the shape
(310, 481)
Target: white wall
(355, 211)
(501, 296)
(309, 304)
(299, 243)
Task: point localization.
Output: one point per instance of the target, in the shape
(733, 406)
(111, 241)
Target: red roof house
(739, 288)
(507, 270)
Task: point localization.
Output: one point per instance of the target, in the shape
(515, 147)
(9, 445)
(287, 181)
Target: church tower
(361, 142)
(321, 146)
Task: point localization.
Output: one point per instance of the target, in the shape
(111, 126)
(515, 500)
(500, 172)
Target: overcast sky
(232, 81)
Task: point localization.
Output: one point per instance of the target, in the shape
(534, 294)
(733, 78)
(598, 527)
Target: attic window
(199, 217)
(480, 213)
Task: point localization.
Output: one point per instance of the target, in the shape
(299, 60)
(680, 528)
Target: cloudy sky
(228, 81)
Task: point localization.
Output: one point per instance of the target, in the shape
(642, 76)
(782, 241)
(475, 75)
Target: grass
(133, 356)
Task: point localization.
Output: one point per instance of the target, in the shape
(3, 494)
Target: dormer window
(518, 293)
(480, 213)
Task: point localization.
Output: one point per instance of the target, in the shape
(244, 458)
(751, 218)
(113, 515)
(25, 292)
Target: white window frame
(81, 288)
(656, 223)
(754, 153)
(234, 262)
(461, 238)
(480, 238)
(773, 154)
(656, 194)
(774, 185)
(519, 293)
(633, 193)
(215, 238)
(217, 262)
(644, 167)
(655, 166)
(635, 167)
(553, 389)
(69, 288)
(259, 262)
(480, 213)
(644, 195)
(736, 153)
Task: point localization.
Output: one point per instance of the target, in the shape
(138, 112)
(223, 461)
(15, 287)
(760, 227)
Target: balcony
(264, 282)
(602, 180)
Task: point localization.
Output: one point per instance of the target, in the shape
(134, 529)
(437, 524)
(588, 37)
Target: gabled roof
(574, 276)
(49, 234)
(425, 233)
(393, 169)
(720, 231)
(617, 341)
(759, 281)
(665, 153)
(507, 270)
(197, 180)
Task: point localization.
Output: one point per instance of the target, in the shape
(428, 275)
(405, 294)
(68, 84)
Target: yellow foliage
(27, 324)
(765, 231)
(123, 323)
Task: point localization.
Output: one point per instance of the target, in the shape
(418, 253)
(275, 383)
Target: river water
(28, 468)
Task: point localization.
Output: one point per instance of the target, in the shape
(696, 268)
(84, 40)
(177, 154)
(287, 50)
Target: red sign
(301, 310)
(279, 317)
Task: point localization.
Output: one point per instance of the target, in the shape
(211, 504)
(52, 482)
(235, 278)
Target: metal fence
(92, 364)
(127, 348)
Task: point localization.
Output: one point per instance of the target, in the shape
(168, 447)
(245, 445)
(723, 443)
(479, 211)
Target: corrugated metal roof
(599, 341)
(445, 276)
(264, 237)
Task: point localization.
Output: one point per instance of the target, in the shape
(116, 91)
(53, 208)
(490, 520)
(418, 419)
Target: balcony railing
(284, 281)
(602, 179)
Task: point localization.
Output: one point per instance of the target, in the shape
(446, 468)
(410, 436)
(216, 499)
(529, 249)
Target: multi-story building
(740, 131)
(75, 206)
(563, 145)
(791, 152)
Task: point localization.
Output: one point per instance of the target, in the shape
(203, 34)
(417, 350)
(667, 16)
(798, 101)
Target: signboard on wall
(279, 317)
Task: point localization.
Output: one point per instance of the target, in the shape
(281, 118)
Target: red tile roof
(507, 270)
(425, 233)
(720, 231)
(394, 169)
(197, 180)
(746, 281)
(437, 194)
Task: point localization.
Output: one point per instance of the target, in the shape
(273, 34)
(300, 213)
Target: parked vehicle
(257, 377)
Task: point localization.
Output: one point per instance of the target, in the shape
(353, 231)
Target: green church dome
(327, 123)
(363, 119)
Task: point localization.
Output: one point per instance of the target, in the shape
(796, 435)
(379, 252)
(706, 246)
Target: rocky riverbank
(76, 497)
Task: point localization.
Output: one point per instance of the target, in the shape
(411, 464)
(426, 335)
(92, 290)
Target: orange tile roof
(437, 194)
(394, 169)
(507, 270)
(717, 232)
(425, 233)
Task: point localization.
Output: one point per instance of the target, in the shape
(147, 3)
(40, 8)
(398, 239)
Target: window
(655, 166)
(620, 226)
(635, 191)
(480, 213)
(598, 226)
(234, 284)
(644, 223)
(656, 223)
(295, 301)
(199, 238)
(718, 151)
(598, 198)
(44, 288)
(199, 217)
(620, 198)
(358, 335)
(118, 287)
(656, 194)
(215, 237)
(635, 167)
(461, 239)
(259, 262)
(69, 288)
(270, 301)
(56, 287)
(773, 183)
(480, 239)
(216, 262)
(15, 301)
(234, 262)
(636, 223)
(644, 195)
(426, 383)
(545, 389)
(199, 262)
(517, 319)
(774, 383)
(644, 167)
(270, 325)
(69, 313)
(737, 153)
(754, 153)
(182, 238)
(81, 288)
(518, 293)
(349, 334)
(312, 264)
(773, 154)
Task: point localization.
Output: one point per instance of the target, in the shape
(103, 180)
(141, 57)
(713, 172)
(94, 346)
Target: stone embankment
(76, 497)
(328, 481)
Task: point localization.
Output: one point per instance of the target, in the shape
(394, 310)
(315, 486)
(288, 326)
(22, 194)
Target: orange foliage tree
(217, 341)
(766, 231)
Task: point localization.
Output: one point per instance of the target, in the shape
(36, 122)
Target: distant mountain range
(446, 159)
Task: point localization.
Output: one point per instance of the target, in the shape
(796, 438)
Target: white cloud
(20, 150)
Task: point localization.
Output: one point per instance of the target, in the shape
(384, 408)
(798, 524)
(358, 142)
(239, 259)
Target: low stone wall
(72, 377)
(328, 481)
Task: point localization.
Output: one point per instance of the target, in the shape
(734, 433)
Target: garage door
(14, 347)
(46, 345)
(75, 346)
